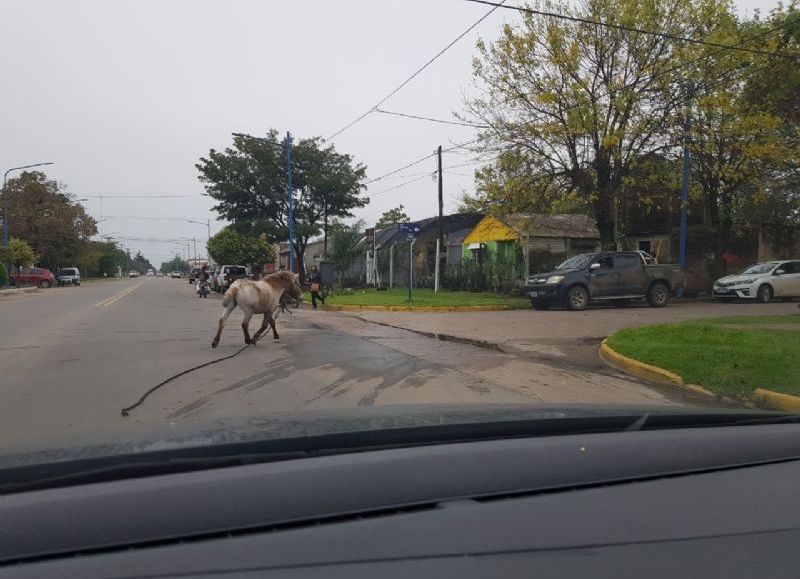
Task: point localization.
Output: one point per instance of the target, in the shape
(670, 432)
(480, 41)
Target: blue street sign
(409, 229)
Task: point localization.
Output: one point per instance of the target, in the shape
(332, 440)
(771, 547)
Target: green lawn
(422, 297)
(725, 360)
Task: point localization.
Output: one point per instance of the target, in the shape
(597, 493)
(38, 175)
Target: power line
(414, 75)
(96, 196)
(638, 30)
(420, 160)
(408, 165)
(432, 120)
(399, 185)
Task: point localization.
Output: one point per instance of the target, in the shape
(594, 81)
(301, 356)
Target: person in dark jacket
(316, 287)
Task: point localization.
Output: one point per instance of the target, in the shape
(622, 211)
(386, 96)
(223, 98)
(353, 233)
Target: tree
(140, 263)
(231, 247)
(41, 212)
(396, 215)
(19, 253)
(248, 181)
(572, 106)
(345, 249)
(175, 264)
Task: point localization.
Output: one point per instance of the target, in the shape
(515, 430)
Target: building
(540, 241)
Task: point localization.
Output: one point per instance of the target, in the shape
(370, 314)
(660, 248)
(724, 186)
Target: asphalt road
(71, 358)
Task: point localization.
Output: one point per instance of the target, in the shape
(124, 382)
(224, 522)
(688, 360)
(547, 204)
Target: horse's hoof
(214, 344)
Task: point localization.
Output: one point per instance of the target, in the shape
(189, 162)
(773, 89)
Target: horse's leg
(245, 324)
(274, 330)
(264, 324)
(227, 312)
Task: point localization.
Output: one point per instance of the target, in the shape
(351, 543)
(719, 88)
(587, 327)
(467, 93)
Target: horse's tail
(230, 295)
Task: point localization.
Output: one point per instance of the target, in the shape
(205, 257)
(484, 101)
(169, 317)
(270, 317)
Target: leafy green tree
(248, 181)
(231, 247)
(175, 264)
(41, 212)
(396, 215)
(573, 106)
(140, 263)
(19, 253)
(344, 239)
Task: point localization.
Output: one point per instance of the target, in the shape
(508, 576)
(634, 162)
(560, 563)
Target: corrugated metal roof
(552, 225)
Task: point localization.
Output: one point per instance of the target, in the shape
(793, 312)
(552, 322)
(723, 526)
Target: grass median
(423, 297)
(731, 356)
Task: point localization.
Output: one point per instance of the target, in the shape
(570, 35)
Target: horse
(259, 297)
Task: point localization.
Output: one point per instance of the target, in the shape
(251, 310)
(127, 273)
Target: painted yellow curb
(785, 402)
(412, 308)
(648, 371)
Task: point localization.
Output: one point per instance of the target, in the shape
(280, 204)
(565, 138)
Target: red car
(40, 276)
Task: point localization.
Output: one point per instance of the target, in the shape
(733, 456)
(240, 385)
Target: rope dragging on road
(126, 411)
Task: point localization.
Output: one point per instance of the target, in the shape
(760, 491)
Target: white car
(176, 274)
(133, 273)
(762, 282)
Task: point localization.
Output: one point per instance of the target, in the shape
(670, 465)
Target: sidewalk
(18, 290)
(560, 336)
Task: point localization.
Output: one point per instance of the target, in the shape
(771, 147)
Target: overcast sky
(125, 96)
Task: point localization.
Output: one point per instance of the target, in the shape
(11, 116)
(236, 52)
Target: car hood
(739, 278)
(543, 276)
(143, 438)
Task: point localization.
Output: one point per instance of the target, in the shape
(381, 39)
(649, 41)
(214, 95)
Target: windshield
(576, 262)
(759, 268)
(397, 206)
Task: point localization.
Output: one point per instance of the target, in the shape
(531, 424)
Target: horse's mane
(281, 277)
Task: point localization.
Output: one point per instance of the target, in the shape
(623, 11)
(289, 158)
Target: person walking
(316, 286)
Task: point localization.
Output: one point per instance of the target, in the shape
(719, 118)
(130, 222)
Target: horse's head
(295, 291)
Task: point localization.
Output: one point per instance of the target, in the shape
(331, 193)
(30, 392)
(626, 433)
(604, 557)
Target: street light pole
(5, 212)
(291, 201)
(288, 187)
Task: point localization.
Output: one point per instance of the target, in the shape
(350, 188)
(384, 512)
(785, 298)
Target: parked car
(762, 281)
(69, 276)
(227, 275)
(176, 274)
(40, 276)
(193, 274)
(133, 273)
(612, 276)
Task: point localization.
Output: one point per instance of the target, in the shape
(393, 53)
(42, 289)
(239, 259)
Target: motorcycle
(203, 289)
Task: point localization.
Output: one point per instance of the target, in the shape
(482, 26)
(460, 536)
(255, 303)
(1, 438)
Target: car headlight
(554, 279)
(745, 281)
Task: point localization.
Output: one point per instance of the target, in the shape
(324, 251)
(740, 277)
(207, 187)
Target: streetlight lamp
(208, 225)
(5, 210)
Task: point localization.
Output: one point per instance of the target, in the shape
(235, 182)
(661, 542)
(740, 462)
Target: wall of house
(778, 242)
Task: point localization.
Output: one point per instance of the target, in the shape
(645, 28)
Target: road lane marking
(117, 296)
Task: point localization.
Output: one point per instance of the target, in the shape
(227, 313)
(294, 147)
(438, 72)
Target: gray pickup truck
(612, 276)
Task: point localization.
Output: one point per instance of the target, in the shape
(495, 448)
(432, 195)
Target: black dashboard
(698, 502)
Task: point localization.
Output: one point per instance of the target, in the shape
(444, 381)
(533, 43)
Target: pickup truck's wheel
(577, 298)
(539, 305)
(658, 295)
(765, 294)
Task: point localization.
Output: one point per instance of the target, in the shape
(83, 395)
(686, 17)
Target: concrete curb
(20, 290)
(648, 371)
(778, 401)
(412, 308)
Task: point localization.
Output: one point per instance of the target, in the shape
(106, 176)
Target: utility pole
(291, 199)
(208, 253)
(440, 241)
(687, 165)
(194, 241)
(325, 229)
